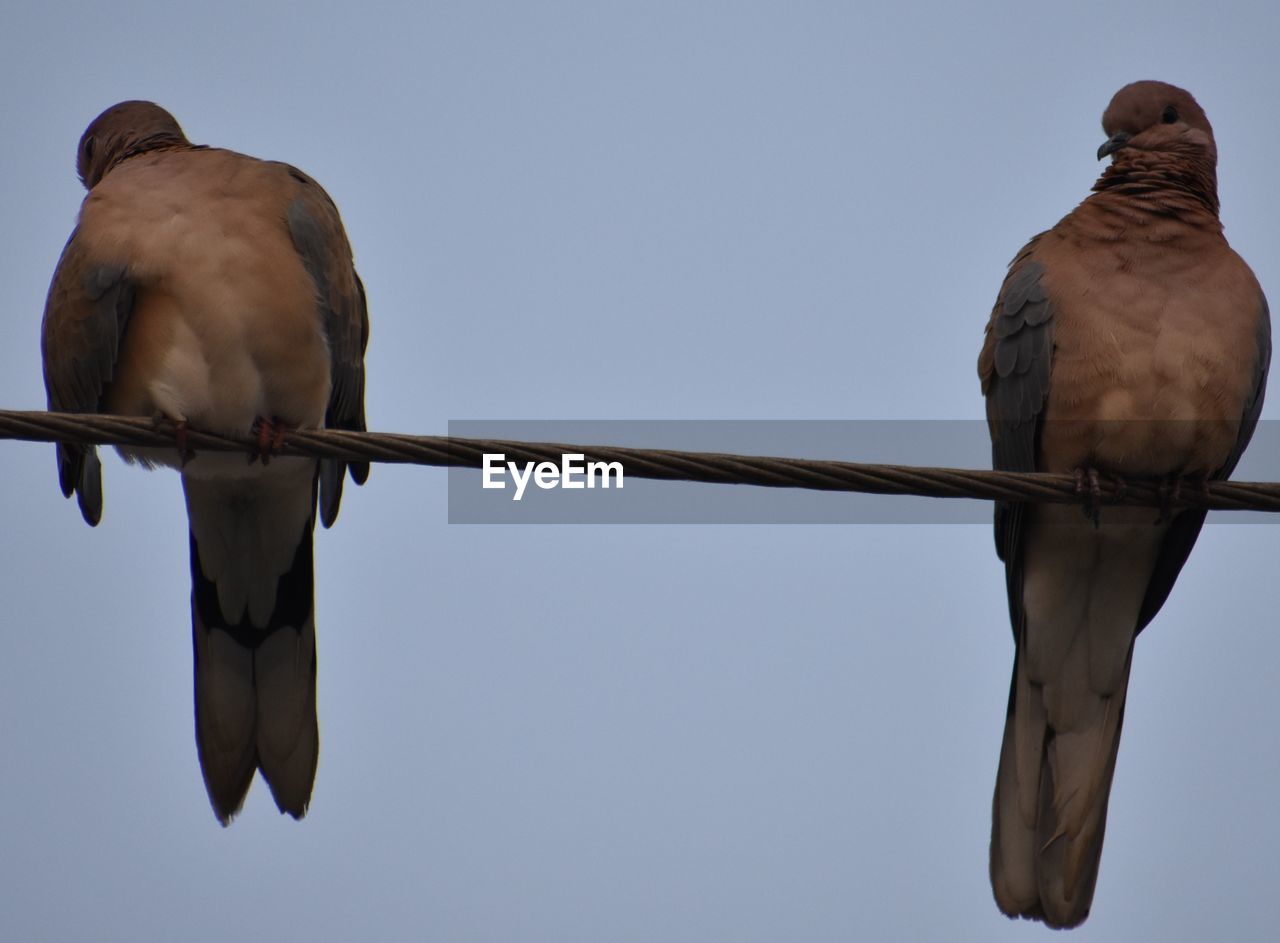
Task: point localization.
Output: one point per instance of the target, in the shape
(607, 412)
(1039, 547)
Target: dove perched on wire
(209, 288)
(1127, 341)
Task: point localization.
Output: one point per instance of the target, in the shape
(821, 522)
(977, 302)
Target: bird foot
(1089, 485)
(178, 427)
(1122, 487)
(270, 435)
(1170, 492)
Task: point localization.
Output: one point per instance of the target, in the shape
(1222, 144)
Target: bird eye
(1170, 115)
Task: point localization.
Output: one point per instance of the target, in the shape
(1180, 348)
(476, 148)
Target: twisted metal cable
(710, 467)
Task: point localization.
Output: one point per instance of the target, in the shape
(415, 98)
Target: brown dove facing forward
(206, 287)
(1128, 340)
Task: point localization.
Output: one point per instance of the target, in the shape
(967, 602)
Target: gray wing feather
(316, 232)
(1023, 360)
(83, 327)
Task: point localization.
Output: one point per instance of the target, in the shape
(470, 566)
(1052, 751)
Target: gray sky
(568, 211)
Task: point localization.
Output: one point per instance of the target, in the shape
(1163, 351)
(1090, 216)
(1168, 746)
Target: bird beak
(1114, 143)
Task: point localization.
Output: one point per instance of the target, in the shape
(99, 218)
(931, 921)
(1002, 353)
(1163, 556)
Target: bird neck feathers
(1179, 185)
(160, 141)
